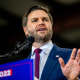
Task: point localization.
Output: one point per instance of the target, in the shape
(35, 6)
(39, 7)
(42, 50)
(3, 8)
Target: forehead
(37, 13)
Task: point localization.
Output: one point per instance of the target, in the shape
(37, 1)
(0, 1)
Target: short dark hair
(33, 8)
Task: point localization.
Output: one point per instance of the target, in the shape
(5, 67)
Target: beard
(41, 39)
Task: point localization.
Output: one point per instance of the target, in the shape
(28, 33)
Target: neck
(38, 45)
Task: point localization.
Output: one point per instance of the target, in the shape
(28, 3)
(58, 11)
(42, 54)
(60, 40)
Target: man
(38, 22)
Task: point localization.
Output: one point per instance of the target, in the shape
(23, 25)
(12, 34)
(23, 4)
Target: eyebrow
(42, 18)
(46, 17)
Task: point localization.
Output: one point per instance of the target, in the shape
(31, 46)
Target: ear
(25, 31)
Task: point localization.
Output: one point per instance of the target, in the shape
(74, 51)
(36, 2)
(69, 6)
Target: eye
(34, 20)
(45, 19)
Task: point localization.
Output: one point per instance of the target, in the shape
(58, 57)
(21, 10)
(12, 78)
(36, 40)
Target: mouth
(42, 29)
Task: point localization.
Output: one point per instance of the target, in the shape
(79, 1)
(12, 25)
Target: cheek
(49, 27)
(31, 27)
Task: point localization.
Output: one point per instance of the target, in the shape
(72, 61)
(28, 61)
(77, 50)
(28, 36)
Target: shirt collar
(46, 48)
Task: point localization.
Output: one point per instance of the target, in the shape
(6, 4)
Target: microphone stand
(19, 47)
(14, 51)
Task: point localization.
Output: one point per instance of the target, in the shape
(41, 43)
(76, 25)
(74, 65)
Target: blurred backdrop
(66, 15)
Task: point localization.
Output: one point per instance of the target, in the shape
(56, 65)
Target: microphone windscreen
(31, 39)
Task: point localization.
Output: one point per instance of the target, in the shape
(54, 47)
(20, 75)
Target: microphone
(20, 47)
(27, 43)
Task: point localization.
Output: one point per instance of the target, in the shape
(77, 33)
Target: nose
(41, 22)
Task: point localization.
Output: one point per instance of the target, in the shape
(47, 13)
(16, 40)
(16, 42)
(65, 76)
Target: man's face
(39, 26)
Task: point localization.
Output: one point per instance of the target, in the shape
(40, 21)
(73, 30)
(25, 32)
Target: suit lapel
(50, 64)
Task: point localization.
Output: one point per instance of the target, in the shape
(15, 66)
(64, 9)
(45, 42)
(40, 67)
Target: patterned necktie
(37, 59)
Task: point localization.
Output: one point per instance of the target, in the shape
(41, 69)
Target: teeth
(41, 29)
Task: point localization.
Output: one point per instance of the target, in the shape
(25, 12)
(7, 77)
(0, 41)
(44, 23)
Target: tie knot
(37, 50)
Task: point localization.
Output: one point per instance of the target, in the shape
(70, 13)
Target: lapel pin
(57, 55)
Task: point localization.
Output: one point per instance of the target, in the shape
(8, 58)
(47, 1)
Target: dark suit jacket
(52, 69)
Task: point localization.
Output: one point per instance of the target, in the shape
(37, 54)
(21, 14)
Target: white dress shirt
(43, 55)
